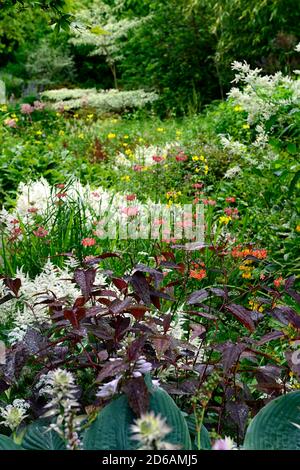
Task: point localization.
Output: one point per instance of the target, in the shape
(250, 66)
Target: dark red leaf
(242, 314)
(85, 278)
(138, 395)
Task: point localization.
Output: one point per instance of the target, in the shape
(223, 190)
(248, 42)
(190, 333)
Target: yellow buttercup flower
(202, 158)
(111, 135)
(238, 108)
(4, 108)
(160, 129)
(125, 178)
(246, 126)
(195, 158)
(61, 132)
(224, 219)
(81, 136)
(39, 133)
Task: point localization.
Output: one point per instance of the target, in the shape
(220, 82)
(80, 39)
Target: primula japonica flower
(157, 158)
(10, 123)
(137, 167)
(39, 106)
(197, 274)
(130, 197)
(209, 202)
(230, 199)
(278, 282)
(14, 414)
(130, 211)
(27, 108)
(41, 232)
(88, 242)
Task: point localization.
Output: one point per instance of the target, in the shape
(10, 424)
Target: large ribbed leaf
(111, 429)
(273, 428)
(161, 403)
(6, 443)
(205, 442)
(38, 437)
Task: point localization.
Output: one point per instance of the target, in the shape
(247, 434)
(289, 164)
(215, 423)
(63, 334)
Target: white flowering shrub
(104, 101)
(271, 104)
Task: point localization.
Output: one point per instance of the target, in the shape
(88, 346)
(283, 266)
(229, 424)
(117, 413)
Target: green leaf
(38, 437)
(273, 428)
(6, 443)
(111, 429)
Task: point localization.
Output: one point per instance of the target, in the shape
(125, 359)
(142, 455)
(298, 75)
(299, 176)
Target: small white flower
(109, 389)
(14, 414)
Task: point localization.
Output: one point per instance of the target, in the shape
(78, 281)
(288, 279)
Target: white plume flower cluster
(150, 431)
(262, 96)
(13, 415)
(143, 154)
(26, 310)
(59, 386)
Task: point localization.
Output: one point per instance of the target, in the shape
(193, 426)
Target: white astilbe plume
(26, 310)
(150, 431)
(12, 415)
(60, 388)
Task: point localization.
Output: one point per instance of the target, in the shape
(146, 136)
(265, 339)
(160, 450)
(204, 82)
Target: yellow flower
(202, 158)
(224, 219)
(125, 144)
(128, 152)
(298, 228)
(247, 275)
(195, 158)
(39, 133)
(126, 137)
(61, 132)
(246, 126)
(90, 116)
(141, 139)
(4, 108)
(178, 133)
(256, 306)
(238, 108)
(76, 115)
(81, 136)
(125, 178)
(14, 116)
(111, 135)
(205, 169)
(160, 129)
(58, 114)
(166, 165)
(197, 170)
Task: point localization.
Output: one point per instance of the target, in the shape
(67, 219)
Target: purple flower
(27, 108)
(10, 123)
(39, 106)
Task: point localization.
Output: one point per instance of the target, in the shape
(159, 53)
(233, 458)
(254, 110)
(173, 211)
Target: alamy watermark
(2, 353)
(155, 222)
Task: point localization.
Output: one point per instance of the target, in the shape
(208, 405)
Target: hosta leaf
(273, 428)
(38, 437)
(6, 443)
